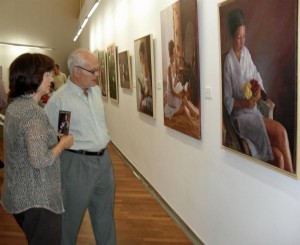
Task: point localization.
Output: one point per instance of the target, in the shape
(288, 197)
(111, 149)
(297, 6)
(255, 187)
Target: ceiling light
(93, 9)
(86, 17)
(25, 45)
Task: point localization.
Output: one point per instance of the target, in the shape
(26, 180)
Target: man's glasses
(92, 72)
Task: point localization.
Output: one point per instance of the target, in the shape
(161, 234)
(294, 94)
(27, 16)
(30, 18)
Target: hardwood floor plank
(140, 220)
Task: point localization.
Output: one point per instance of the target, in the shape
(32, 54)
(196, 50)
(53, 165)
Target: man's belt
(88, 153)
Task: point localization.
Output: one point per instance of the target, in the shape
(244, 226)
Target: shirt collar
(75, 88)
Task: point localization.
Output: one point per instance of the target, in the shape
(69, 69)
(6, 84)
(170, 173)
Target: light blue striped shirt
(87, 125)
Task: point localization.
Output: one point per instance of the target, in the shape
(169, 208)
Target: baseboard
(182, 225)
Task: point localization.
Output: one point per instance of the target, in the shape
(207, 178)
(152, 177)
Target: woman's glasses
(49, 73)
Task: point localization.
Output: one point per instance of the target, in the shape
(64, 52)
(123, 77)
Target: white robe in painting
(173, 103)
(250, 121)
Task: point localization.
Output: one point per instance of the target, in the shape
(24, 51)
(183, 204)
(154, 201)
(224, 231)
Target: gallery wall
(37, 22)
(223, 197)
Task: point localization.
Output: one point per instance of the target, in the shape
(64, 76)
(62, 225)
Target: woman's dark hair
(171, 46)
(236, 19)
(26, 73)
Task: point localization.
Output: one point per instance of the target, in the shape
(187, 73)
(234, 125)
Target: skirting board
(184, 227)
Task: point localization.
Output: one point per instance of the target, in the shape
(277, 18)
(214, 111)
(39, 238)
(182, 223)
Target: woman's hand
(182, 94)
(244, 104)
(249, 104)
(66, 141)
(257, 93)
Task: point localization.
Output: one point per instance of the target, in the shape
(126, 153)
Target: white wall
(223, 197)
(37, 22)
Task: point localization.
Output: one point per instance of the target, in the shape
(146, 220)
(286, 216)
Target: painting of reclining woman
(180, 61)
(259, 80)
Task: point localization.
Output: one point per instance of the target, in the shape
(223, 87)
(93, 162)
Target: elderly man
(87, 173)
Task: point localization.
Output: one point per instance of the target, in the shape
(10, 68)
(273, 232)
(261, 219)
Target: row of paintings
(181, 74)
(113, 64)
(265, 135)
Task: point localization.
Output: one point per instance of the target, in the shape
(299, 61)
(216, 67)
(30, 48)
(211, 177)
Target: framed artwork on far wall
(181, 70)
(103, 73)
(125, 70)
(259, 68)
(112, 72)
(144, 74)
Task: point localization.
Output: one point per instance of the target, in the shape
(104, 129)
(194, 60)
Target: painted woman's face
(239, 39)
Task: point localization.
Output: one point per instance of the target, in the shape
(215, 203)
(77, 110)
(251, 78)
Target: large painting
(103, 73)
(112, 73)
(259, 81)
(144, 74)
(180, 64)
(125, 70)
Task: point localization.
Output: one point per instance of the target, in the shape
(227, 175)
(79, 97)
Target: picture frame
(125, 70)
(103, 74)
(262, 120)
(64, 118)
(181, 69)
(145, 76)
(112, 73)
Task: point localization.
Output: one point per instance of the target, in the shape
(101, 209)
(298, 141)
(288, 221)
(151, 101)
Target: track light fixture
(25, 45)
(86, 18)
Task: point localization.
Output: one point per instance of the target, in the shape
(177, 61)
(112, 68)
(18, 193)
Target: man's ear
(76, 71)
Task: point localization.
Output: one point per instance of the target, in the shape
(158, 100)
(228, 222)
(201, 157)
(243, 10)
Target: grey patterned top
(32, 171)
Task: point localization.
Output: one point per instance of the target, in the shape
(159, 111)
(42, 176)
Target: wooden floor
(139, 218)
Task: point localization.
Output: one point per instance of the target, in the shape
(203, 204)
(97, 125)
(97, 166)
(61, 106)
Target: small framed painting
(144, 74)
(103, 74)
(113, 88)
(64, 118)
(125, 70)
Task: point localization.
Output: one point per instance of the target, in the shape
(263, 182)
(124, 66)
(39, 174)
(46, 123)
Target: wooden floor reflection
(139, 218)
